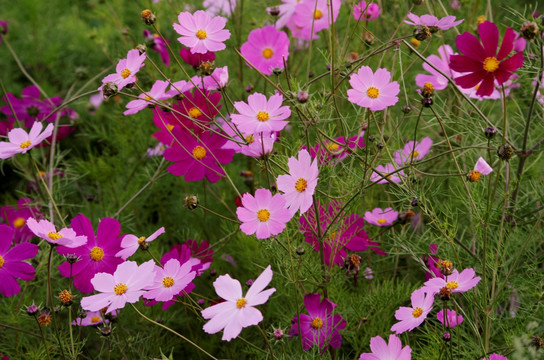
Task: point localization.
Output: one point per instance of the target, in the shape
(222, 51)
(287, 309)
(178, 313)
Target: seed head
(148, 17)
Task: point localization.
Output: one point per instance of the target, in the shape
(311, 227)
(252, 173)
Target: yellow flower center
(250, 139)
(263, 116)
(120, 289)
(428, 87)
(414, 154)
(96, 319)
(125, 73)
(474, 175)
(169, 127)
(25, 144)
(333, 147)
(263, 215)
(201, 34)
(1, 261)
(141, 240)
(373, 92)
(194, 112)
(317, 323)
(268, 53)
(415, 42)
(19, 222)
(199, 152)
(452, 285)
(491, 64)
(318, 14)
(97, 253)
(301, 185)
(240, 303)
(381, 221)
(148, 98)
(481, 19)
(167, 282)
(417, 312)
(54, 236)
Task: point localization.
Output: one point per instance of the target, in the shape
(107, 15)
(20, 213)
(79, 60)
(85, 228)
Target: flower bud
(368, 38)
(278, 334)
(148, 17)
(302, 97)
(82, 73)
(249, 282)
(206, 67)
(191, 202)
(444, 294)
(109, 89)
(529, 30)
(72, 258)
(105, 331)
(213, 272)
(274, 11)
(422, 32)
(141, 48)
(406, 109)
(446, 336)
(505, 152)
(32, 310)
(489, 132)
(300, 251)
(427, 102)
(277, 71)
(415, 202)
(200, 301)
(249, 88)
(379, 145)
(66, 298)
(3, 27)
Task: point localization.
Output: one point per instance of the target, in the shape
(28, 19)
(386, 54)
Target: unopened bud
(529, 30)
(505, 152)
(44, 319)
(446, 336)
(141, 48)
(148, 17)
(302, 97)
(422, 32)
(32, 309)
(191, 202)
(277, 71)
(490, 132)
(3, 27)
(206, 68)
(249, 88)
(274, 11)
(427, 102)
(406, 109)
(445, 293)
(278, 333)
(105, 331)
(72, 258)
(300, 251)
(415, 202)
(109, 89)
(368, 38)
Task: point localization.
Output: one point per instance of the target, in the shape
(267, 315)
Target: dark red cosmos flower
(483, 64)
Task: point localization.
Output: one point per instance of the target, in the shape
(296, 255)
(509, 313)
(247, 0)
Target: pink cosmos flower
(334, 153)
(12, 264)
(483, 167)
(126, 285)
(413, 151)
(94, 318)
(200, 32)
(131, 243)
(126, 69)
(483, 63)
(367, 12)
(197, 157)
(20, 142)
(287, 10)
(266, 49)
(216, 7)
(383, 174)
(261, 115)
(320, 327)
(411, 317)
(150, 98)
(299, 186)
(313, 16)
(451, 319)
(442, 63)
(46, 230)
(383, 351)
(237, 311)
(158, 150)
(496, 356)
(156, 43)
(373, 90)
(196, 59)
(432, 22)
(17, 217)
(381, 217)
(263, 215)
(170, 280)
(217, 80)
(258, 144)
(97, 255)
(457, 283)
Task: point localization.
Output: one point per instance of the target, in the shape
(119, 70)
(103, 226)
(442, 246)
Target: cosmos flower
(313, 16)
(457, 283)
(382, 174)
(200, 32)
(217, 80)
(20, 141)
(374, 91)
(320, 327)
(411, 317)
(480, 168)
(126, 69)
(441, 62)
(260, 115)
(28, 109)
(12, 264)
(287, 10)
(381, 217)
(17, 217)
(257, 144)
(126, 285)
(46, 230)
(432, 22)
(195, 59)
(156, 43)
(451, 320)
(366, 12)
(333, 152)
(97, 255)
(483, 64)
(150, 98)
(413, 151)
(266, 49)
(383, 351)
(263, 214)
(496, 356)
(131, 243)
(237, 311)
(3, 29)
(170, 280)
(216, 7)
(299, 186)
(93, 318)
(432, 263)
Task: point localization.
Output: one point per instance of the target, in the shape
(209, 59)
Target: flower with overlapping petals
(383, 351)
(126, 69)
(266, 49)
(411, 317)
(374, 91)
(432, 22)
(260, 115)
(200, 32)
(64, 237)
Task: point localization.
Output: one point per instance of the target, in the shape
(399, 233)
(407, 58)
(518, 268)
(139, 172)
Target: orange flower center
(167, 282)
(250, 139)
(414, 154)
(120, 289)
(452, 285)
(333, 147)
(317, 323)
(201, 34)
(373, 92)
(199, 152)
(97, 253)
(474, 175)
(381, 221)
(125, 73)
(301, 185)
(318, 14)
(19, 222)
(54, 236)
(491, 64)
(194, 112)
(25, 144)
(417, 312)
(141, 240)
(481, 19)
(268, 53)
(96, 319)
(263, 215)
(240, 303)
(263, 116)
(428, 87)
(1, 261)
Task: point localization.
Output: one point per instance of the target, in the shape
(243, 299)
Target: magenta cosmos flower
(442, 63)
(366, 11)
(97, 255)
(383, 351)
(263, 215)
(450, 319)
(496, 356)
(432, 22)
(46, 230)
(200, 32)
(126, 69)
(12, 264)
(299, 186)
(381, 217)
(28, 109)
(374, 91)
(266, 49)
(196, 59)
(260, 115)
(483, 63)
(237, 311)
(170, 280)
(126, 285)
(387, 173)
(197, 157)
(17, 217)
(313, 16)
(413, 151)
(131, 243)
(457, 283)
(20, 142)
(320, 327)
(346, 233)
(411, 317)
(150, 98)
(156, 43)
